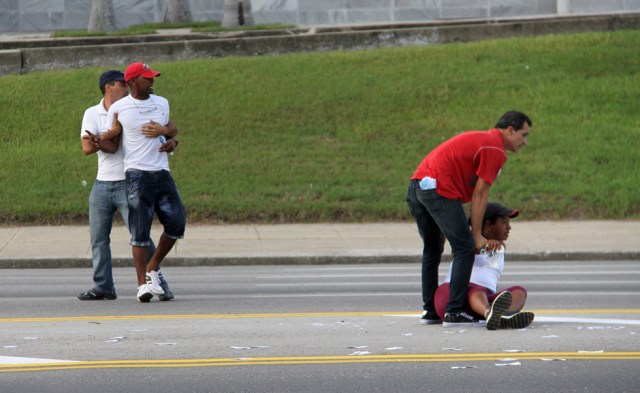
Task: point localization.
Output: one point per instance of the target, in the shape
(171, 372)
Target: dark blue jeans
(439, 218)
(149, 192)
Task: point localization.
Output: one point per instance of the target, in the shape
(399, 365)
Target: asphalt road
(330, 328)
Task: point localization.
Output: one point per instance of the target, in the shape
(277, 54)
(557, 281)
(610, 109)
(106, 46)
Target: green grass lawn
(336, 136)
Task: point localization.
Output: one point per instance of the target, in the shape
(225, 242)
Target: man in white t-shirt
(108, 193)
(501, 310)
(150, 186)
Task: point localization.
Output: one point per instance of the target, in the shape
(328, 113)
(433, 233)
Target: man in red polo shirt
(460, 170)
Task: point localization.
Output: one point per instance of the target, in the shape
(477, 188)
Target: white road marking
(19, 360)
(558, 319)
(587, 320)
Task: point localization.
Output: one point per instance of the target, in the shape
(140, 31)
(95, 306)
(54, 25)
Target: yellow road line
(300, 360)
(281, 315)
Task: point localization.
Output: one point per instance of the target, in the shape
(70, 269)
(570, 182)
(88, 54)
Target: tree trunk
(237, 13)
(102, 17)
(178, 11)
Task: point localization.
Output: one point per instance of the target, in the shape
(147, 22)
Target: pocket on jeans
(436, 205)
(431, 199)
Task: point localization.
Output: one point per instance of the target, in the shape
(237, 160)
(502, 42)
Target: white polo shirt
(110, 166)
(141, 152)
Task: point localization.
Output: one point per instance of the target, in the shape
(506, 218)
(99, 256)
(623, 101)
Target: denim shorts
(149, 192)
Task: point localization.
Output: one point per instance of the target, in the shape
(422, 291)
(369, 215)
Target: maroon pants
(442, 297)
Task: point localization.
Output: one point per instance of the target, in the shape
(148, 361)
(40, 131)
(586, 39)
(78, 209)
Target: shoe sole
(430, 322)
(97, 298)
(462, 324)
(498, 307)
(145, 297)
(518, 321)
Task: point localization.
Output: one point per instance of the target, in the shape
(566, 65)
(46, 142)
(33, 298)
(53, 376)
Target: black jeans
(439, 218)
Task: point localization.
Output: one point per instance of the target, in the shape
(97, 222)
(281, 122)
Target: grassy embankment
(335, 136)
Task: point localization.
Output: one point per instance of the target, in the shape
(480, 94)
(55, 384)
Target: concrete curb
(70, 263)
(10, 62)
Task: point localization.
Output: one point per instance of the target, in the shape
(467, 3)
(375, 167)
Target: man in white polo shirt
(150, 186)
(108, 193)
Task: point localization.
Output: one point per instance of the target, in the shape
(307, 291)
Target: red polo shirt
(457, 163)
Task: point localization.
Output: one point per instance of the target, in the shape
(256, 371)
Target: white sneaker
(144, 294)
(153, 282)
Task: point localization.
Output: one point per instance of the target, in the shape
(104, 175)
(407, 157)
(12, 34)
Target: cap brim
(149, 73)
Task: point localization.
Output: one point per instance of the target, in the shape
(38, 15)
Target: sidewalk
(68, 246)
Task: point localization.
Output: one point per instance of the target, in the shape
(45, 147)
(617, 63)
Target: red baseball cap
(135, 70)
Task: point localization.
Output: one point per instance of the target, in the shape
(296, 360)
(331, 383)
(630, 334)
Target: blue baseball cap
(111, 76)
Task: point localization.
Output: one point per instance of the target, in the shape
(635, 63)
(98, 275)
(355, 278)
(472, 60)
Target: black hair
(102, 89)
(514, 119)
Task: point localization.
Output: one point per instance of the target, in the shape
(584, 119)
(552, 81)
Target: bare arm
(115, 130)
(169, 146)
(88, 144)
(479, 201)
(153, 129)
(92, 143)
(109, 145)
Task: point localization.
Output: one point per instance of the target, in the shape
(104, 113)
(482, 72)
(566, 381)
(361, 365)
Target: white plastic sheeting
(49, 15)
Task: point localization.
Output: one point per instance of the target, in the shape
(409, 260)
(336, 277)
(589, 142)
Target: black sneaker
(519, 320)
(458, 319)
(168, 295)
(430, 318)
(500, 304)
(92, 294)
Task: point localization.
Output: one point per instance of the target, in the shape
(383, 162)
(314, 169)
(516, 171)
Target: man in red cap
(108, 193)
(139, 69)
(150, 186)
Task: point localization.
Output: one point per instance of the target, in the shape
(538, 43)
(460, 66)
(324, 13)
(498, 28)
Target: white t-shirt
(141, 152)
(486, 270)
(110, 166)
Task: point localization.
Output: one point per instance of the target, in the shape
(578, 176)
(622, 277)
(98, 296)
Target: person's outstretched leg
(164, 246)
(479, 302)
(519, 298)
(514, 317)
(498, 306)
